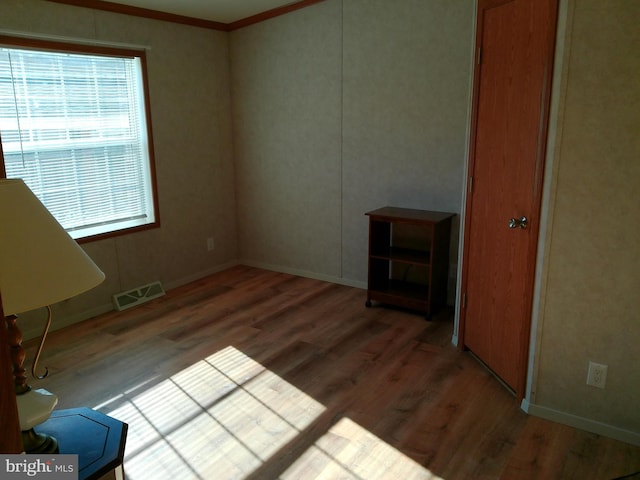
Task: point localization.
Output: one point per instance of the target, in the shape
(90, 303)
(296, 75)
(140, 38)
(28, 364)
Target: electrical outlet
(210, 244)
(597, 375)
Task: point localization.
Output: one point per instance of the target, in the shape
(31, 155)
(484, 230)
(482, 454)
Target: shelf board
(402, 294)
(400, 288)
(404, 255)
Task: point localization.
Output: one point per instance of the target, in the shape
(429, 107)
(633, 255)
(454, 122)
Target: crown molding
(276, 12)
(192, 21)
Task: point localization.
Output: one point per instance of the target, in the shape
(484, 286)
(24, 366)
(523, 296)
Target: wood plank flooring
(251, 374)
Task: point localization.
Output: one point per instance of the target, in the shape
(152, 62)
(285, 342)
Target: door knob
(521, 222)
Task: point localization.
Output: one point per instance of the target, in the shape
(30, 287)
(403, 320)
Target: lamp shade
(40, 264)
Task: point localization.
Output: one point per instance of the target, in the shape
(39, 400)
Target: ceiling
(223, 11)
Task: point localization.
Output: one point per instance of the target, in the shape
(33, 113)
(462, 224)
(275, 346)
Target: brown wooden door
(514, 40)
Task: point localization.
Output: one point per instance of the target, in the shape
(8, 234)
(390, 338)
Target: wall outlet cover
(597, 375)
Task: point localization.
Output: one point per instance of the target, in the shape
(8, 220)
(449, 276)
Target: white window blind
(73, 127)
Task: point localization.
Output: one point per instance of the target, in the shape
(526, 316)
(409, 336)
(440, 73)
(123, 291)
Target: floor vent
(137, 296)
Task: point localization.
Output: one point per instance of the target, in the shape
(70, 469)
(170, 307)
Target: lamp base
(34, 442)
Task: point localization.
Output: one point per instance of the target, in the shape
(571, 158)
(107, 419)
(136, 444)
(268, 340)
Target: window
(75, 128)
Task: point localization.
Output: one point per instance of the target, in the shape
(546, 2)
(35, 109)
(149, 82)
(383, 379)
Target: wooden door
(514, 49)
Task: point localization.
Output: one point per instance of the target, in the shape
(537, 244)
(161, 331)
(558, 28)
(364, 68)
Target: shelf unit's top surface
(399, 214)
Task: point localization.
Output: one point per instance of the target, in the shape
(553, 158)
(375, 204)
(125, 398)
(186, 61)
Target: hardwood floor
(251, 374)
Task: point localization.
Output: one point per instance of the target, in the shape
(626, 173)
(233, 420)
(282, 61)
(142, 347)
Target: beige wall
(406, 85)
(190, 106)
(341, 108)
(591, 288)
(286, 90)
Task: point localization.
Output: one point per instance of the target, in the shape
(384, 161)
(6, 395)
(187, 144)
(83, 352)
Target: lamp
(40, 264)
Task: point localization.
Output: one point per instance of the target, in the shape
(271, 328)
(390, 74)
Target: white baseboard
(305, 273)
(582, 423)
(62, 321)
(197, 276)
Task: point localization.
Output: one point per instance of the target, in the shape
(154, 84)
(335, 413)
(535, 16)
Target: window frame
(100, 50)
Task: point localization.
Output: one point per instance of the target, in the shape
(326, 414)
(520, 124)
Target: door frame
(534, 225)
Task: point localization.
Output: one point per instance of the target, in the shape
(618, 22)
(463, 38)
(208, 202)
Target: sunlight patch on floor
(219, 418)
(225, 416)
(348, 451)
